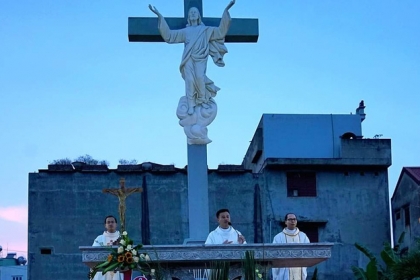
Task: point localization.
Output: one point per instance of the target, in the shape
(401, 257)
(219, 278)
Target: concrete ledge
(378, 162)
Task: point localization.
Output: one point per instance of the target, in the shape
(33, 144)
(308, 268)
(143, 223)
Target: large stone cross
(122, 193)
(144, 29)
(242, 30)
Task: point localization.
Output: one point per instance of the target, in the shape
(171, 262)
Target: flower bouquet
(125, 257)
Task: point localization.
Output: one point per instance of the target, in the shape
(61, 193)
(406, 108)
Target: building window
(301, 184)
(17, 277)
(310, 229)
(407, 215)
(397, 215)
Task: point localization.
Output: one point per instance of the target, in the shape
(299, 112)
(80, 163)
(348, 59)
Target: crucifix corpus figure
(122, 193)
(197, 109)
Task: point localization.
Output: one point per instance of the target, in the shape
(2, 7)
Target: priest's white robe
(295, 273)
(220, 235)
(106, 239)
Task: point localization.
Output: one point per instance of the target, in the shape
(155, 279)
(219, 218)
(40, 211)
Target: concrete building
(13, 268)
(405, 204)
(318, 166)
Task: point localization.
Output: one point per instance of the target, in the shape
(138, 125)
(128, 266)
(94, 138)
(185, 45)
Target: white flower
(124, 233)
(120, 249)
(147, 258)
(134, 252)
(142, 256)
(152, 270)
(129, 247)
(122, 242)
(136, 259)
(259, 275)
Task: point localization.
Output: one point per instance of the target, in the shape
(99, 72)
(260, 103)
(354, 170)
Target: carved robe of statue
(200, 42)
(197, 109)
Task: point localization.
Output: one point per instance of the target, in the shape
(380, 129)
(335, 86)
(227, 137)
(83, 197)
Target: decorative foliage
(250, 267)
(125, 257)
(219, 271)
(408, 267)
(371, 271)
(397, 266)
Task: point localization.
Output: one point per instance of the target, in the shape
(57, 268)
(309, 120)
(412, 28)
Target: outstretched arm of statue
(155, 11)
(130, 191)
(230, 5)
(168, 35)
(110, 191)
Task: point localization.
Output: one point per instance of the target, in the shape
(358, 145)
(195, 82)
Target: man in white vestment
(225, 233)
(290, 234)
(200, 41)
(110, 237)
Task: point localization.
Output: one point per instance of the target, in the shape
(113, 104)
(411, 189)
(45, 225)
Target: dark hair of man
(110, 216)
(285, 217)
(221, 211)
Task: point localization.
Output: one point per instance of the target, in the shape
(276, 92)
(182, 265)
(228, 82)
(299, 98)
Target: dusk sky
(71, 84)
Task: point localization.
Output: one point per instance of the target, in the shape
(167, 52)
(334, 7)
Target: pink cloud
(13, 238)
(14, 229)
(17, 214)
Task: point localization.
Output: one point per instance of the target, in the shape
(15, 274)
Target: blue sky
(71, 83)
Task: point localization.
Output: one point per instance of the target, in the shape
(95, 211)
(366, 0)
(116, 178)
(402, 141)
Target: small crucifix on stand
(122, 193)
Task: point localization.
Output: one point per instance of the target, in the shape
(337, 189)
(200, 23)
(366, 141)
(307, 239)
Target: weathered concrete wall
(307, 136)
(354, 203)
(66, 210)
(376, 150)
(406, 195)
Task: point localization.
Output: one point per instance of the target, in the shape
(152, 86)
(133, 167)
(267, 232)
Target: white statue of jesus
(197, 109)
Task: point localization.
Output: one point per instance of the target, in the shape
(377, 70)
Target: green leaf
(359, 273)
(315, 275)
(366, 251)
(102, 264)
(111, 267)
(372, 270)
(388, 255)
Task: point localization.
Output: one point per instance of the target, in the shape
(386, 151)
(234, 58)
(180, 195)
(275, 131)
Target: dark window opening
(348, 135)
(301, 184)
(407, 215)
(46, 251)
(310, 229)
(257, 156)
(397, 215)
